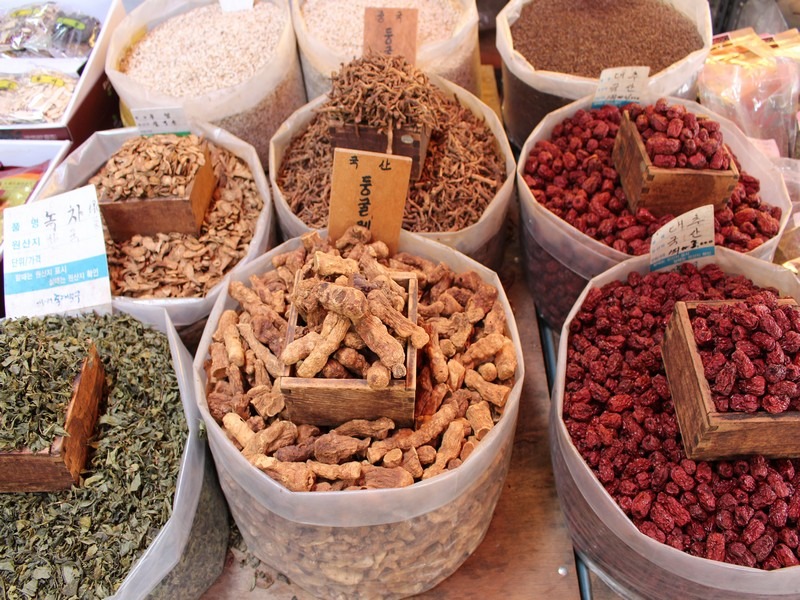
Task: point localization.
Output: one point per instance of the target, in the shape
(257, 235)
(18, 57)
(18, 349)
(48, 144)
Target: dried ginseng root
(179, 265)
(464, 167)
(354, 329)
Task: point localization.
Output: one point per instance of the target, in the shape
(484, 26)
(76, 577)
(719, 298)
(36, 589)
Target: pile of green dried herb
(35, 382)
(83, 542)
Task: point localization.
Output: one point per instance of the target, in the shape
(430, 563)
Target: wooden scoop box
(708, 434)
(666, 191)
(59, 466)
(331, 402)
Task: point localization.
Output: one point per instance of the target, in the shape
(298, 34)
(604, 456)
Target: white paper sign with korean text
(687, 238)
(55, 256)
(621, 85)
(151, 121)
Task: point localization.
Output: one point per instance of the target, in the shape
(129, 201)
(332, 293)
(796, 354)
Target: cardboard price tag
(369, 189)
(391, 31)
(621, 86)
(55, 256)
(687, 238)
(150, 121)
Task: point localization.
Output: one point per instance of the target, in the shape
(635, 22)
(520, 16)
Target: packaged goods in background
(330, 34)
(179, 271)
(553, 51)
(698, 528)
(464, 189)
(313, 537)
(51, 72)
(755, 83)
(237, 70)
(123, 530)
(566, 242)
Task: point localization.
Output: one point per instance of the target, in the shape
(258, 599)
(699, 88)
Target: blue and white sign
(55, 256)
(687, 238)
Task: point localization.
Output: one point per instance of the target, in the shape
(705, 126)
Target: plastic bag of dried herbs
(141, 270)
(529, 93)
(148, 518)
(237, 69)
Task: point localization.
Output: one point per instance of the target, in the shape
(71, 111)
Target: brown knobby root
(228, 334)
(266, 401)
(438, 361)
(381, 307)
(333, 448)
(480, 419)
(326, 265)
(491, 392)
(300, 348)
(411, 463)
(383, 477)
(362, 428)
(381, 342)
(455, 374)
(353, 361)
(483, 350)
(488, 371)
(271, 362)
(506, 361)
(297, 477)
(378, 376)
(393, 458)
(348, 470)
(334, 328)
(450, 448)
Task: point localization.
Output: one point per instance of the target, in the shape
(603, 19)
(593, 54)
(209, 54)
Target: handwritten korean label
(160, 120)
(369, 189)
(687, 238)
(621, 85)
(235, 5)
(391, 31)
(55, 256)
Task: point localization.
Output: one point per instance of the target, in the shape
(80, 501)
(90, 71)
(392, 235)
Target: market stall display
(545, 68)
(633, 501)
(576, 219)
(389, 494)
(51, 68)
(123, 528)
(237, 70)
(465, 187)
(181, 271)
(330, 34)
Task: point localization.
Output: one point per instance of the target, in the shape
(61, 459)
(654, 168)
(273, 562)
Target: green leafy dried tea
(82, 543)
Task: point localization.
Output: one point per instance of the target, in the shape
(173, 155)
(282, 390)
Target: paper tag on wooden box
(369, 189)
(621, 85)
(55, 256)
(391, 31)
(151, 121)
(687, 238)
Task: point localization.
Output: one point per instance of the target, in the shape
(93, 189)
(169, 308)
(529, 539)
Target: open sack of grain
(554, 51)
(367, 508)
(183, 272)
(466, 185)
(649, 521)
(564, 243)
(331, 33)
(147, 518)
(238, 70)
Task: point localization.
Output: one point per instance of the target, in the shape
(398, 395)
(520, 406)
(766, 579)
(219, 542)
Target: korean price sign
(687, 238)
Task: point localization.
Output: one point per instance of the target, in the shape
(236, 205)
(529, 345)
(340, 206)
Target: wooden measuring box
(331, 402)
(666, 191)
(150, 216)
(708, 434)
(410, 142)
(59, 466)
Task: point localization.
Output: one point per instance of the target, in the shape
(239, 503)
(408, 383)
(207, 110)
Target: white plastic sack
(586, 257)
(533, 93)
(166, 557)
(251, 110)
(482, 241)
(268, 514)
(456, 59)
(629, 561)
(90, 157)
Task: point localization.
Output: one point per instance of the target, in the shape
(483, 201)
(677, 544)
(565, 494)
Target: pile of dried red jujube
(619, 414)
(572, 174)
